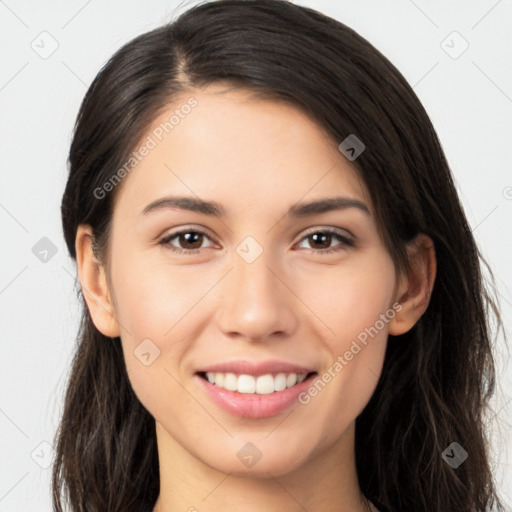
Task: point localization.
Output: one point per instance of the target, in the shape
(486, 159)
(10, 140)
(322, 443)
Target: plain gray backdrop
(455, 54)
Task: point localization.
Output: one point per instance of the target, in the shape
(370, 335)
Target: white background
(469, 99)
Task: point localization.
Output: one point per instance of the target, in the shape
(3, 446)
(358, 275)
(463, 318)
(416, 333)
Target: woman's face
(258, 284)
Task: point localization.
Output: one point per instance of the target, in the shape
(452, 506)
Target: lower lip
(252, 405)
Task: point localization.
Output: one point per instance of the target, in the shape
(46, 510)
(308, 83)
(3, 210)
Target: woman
(283, 306)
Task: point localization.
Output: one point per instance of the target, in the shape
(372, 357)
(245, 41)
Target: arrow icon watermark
(351, 147)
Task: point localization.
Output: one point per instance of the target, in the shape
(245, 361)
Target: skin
(292, 303)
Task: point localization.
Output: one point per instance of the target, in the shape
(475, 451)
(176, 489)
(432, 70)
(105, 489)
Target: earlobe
(94, 284)
(415, 289)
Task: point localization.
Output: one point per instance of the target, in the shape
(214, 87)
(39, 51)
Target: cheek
(152, 296)
(350, 299)
(156, 305)
(356, 306)
(149, 304)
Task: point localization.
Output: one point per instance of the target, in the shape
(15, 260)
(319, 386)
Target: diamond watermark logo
(44, 250)
(455, 455)
(146, 352)
(249, 454)
(45, 45)
(249, 249)
(454, 45)
(43, 454)
(351, 147)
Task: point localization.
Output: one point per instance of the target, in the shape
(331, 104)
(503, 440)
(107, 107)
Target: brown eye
(321, 241)
(186, 241)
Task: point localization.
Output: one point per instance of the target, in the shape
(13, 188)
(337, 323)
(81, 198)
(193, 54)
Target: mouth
(254, 397)
(267, 384)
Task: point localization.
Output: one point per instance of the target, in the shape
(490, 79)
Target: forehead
(248, 153)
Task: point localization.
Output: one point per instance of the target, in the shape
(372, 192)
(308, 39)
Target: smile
(253, 397)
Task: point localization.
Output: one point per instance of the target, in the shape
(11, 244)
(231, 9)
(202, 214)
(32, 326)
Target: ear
(94, 284)
(414, 290)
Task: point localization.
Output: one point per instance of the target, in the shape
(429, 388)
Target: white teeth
(246, 384)
(280, 382)
(219, 377)
(230, 382)
(291, 380)
(262, 385)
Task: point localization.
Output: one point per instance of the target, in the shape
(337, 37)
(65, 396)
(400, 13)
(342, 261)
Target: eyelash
(345, 241)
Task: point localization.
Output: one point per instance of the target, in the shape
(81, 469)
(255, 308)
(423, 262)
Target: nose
(257, 302)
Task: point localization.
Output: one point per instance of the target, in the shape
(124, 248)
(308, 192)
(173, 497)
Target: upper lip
(255, 368)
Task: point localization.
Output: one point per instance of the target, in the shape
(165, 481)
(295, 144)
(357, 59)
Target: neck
(188, 484)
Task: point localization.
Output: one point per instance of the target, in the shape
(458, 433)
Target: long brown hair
(437, 378)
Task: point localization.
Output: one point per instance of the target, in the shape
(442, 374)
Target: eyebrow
(217, 210)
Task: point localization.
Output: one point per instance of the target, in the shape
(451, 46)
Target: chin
(269, 461)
